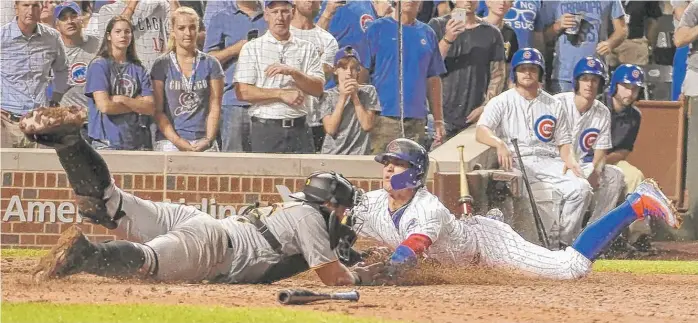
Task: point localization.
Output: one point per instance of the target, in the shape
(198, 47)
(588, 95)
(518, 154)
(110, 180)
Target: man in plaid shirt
(276, 73)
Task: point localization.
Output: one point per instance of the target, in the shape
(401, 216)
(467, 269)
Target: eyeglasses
(515, 13)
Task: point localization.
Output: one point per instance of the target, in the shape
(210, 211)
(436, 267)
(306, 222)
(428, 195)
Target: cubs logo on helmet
(591, 63)
(544, 128)
(636, 73)
(588, 138)
(364, 21)
(527, 55)
(78, 73)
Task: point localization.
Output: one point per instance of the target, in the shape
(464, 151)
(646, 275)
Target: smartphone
(458, 14)
(252, 34)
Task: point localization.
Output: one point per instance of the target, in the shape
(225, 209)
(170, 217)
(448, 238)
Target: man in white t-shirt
(304, 27)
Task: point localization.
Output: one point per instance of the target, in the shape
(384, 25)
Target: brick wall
(33, 190)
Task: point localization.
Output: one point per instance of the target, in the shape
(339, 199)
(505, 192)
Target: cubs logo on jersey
(125, 86)
(188, 103)
(78, 73)
(588, 138)
(544, 128)
(364, 21)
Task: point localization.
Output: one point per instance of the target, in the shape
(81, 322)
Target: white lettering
(41, 207)
(65, 208)
(14, 209)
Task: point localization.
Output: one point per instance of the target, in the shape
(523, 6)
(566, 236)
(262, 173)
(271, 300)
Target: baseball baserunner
(171, 242)
(408, 218)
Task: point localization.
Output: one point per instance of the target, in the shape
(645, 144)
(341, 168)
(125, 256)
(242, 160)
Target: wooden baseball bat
(465, 199)
(304, 296)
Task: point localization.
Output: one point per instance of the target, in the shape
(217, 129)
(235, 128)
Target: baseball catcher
(171, 242)
(405, 216)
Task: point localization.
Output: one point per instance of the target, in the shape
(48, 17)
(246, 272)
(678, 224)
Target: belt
(283, 123)
(11, 116)
(405, 119)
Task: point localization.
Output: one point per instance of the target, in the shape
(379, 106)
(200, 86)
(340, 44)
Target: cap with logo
(66, 5)
(346, 51)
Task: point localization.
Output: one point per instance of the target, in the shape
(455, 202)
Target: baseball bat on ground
(304, 296)
(465, 199)
(542, 236)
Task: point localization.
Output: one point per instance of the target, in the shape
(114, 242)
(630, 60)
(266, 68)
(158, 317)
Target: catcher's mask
(330, 187)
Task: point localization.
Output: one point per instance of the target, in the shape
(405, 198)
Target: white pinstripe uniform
(592, 131)
(149, 21)
(541, 127)
(327, 48)
(261, 52)
(461, 242)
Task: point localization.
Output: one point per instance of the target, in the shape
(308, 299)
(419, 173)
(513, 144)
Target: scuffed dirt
(458, 295)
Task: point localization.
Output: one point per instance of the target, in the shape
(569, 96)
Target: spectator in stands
(30, 51)
(198, 7)
(523, 16)
(214, 7)
(79, 51)
(47, 16)
(149, 18)
(119, 91)
(579, 29)
(681, 54)
(635, 49)
(687, 34)
(434, 8)
(475, 65)
(348, 110)
(422, 68)
(275, 73)
(347, 21)
(625, 125)
(227, 32)
(303, 27)
(496, 11)
(188, 89)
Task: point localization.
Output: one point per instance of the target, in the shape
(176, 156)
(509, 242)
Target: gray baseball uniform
(541, 126)
(193, 246)
(79, 57)
(592, 131)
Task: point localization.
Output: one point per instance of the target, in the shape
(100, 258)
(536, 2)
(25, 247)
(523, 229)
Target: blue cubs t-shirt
(224, 30)
(187, 110)
(523, 17)
(349, 25)
(598, 15)
(119, 131)
(421, 60)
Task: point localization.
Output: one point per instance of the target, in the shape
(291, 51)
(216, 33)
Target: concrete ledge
(474, 153)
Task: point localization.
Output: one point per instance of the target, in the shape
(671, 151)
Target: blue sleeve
(617, 10)
(159, 70)
(215, 69)
(436, 65)
(547, 14)
(323, 5)
(146, 84)
(371, 45)
(481, 9)
(214, 34)
(97, 77)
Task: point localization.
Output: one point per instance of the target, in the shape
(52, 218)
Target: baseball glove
(46, 125)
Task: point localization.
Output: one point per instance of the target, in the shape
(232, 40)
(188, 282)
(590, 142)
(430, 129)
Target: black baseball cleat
(66, 257)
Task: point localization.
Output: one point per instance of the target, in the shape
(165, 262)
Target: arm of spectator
(130, 9)
(617, 156)
(106, 105)
(331, 121)
(60, 73)
(214, 42)
(164, 124)
(257, 95)
(328, 13)
(365, 107)
(435, 96)
(140, 104)
(687, 31)
(553, 30)
(447, 34)
(620, 33)
(214, 109)
(228, 53)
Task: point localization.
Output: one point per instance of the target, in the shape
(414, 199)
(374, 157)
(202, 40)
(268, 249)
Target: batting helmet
(590, 65)
(321, 187)
(528, 56)
(407, 150)
(628, 74)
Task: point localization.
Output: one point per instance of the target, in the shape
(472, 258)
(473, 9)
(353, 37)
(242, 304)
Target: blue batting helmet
(527, 56)
(590, 65)
(407, 150)
(628, 74)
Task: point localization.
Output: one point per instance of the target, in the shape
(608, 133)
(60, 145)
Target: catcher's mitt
(45, 125)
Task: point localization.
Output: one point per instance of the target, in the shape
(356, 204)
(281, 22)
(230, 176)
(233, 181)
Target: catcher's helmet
(321, 187)
(590, 65)
(628, 74)
(528, 56)
(411, 152)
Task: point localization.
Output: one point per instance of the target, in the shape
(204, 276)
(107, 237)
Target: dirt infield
(473, 296)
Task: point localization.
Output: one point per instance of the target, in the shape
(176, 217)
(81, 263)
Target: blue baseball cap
(268, 3)
(66, 5)
(346, 51)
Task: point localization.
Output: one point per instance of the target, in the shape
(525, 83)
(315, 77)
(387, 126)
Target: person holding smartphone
(226, 33)
(188, 88)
